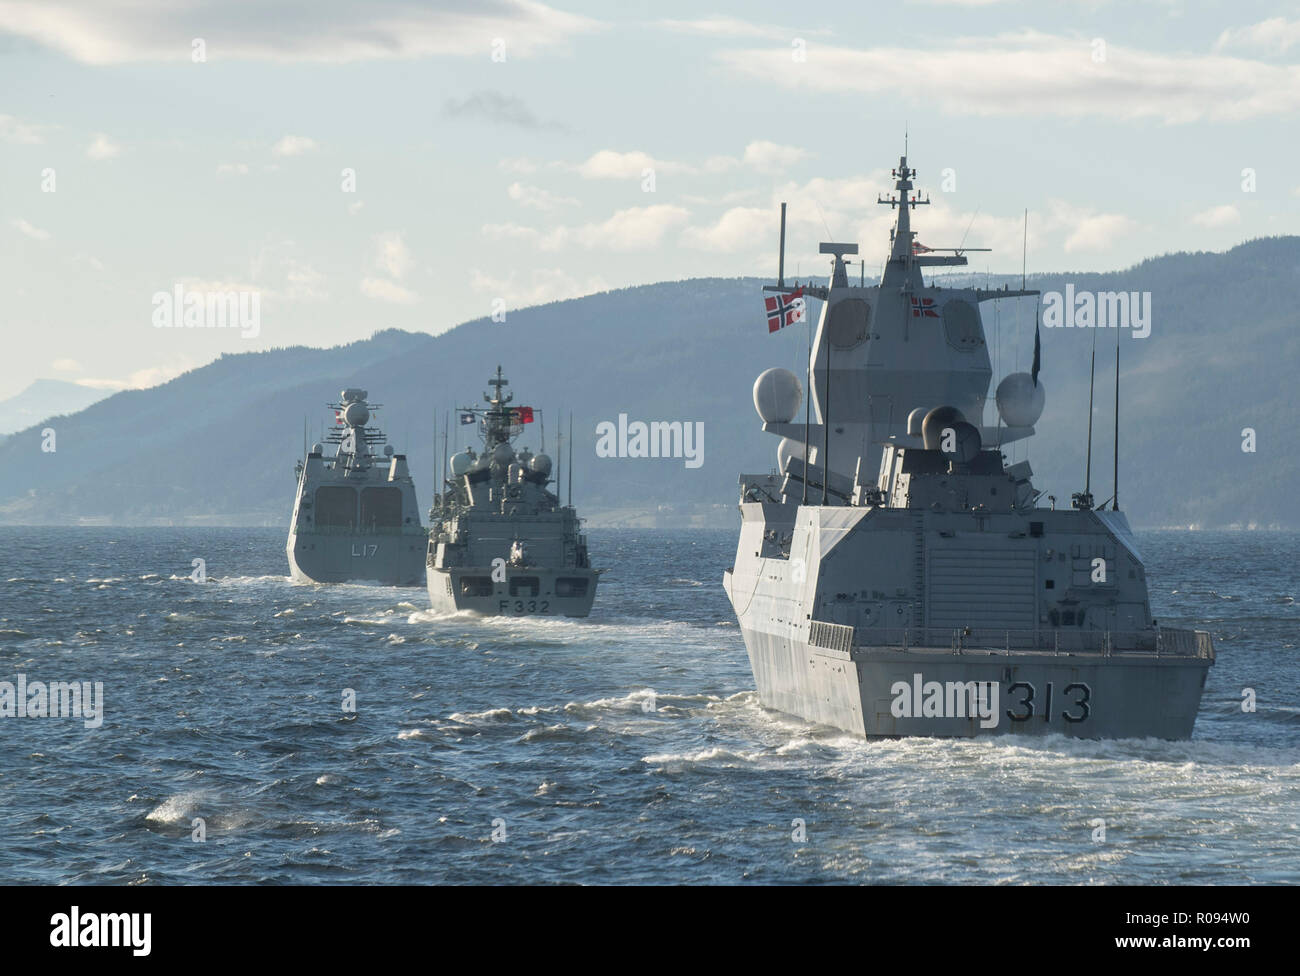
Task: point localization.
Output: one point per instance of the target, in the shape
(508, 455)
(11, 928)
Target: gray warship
(897, 576)
(356, 516)
(500, 541)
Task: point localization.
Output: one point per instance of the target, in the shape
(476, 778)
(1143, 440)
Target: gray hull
(556, 593)
(928, 691)
(394, 560)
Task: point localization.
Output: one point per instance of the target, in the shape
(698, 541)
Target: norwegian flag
(783, 310)
(919, 248)
(924, 308)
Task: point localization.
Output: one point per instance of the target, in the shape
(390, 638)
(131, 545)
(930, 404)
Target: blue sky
(1124, 128)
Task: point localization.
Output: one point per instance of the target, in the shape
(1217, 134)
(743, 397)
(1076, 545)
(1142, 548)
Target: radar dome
(318, 448)
(1020, 402)
(777, 395)
(460, 463)
(388, 450)
(934, 424)
(785, 450)
(503, 453)
(356, 414)
(541, 464)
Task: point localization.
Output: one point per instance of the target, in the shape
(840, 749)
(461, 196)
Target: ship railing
(1161, 642)
(387, 530)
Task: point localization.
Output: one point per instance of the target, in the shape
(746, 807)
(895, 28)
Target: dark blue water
(628, 747)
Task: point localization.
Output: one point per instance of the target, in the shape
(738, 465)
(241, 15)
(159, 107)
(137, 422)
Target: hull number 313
(1077, 695)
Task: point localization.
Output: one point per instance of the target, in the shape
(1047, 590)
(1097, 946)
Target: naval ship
(897, 576)
(500, 541)
(355, 517)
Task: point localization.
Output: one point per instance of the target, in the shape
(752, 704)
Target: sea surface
(625, 748)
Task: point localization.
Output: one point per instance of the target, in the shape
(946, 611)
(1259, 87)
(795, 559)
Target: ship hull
(393, 560)
(890, 692)
(527, 591)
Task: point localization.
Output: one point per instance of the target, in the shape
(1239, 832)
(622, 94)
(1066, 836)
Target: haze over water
(628, 747)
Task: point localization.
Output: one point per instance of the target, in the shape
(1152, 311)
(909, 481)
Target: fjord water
(625, 748)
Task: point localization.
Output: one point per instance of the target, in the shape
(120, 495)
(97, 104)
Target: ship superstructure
(501, 542)
(897, 576)
(356, 516)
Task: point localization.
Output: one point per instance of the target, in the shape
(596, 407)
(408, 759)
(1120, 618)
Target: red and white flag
(783, 310)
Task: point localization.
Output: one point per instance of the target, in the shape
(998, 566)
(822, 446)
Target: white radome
(787, 449)
(1020, 402)
(777, 395)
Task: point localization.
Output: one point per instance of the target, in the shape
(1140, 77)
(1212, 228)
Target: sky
(367, 165)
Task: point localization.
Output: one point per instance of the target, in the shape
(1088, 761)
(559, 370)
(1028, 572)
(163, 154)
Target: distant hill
(44, 399)
(219, 443)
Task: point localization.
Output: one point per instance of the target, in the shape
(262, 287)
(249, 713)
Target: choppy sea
(625, 748)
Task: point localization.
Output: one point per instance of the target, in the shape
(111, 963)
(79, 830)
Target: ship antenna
(780, 261)
(1114, 503)
(570, 458)
(1024, 249)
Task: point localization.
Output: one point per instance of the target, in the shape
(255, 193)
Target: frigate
(896, 575)
(355, 517)
(500, 540)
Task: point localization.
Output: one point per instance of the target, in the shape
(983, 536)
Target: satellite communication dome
(356, 414)
(503, 453)
(541, 464)
(1020, 402)
(777, 395)
(388, 450)
(934, 424)
(318, 448)
(914, 421)
(460, 463)
(785, 450)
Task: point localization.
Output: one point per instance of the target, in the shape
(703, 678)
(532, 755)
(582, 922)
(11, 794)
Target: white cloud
(770, 157)
(66, 366)
(609, 164)
(19, 132)
(732, 27)
(1221, 216)
(293, 146)
(355, 208)
(519, 164)
(232, 169)
(387, 291)
(1032, 73)
(632, 229)
(303, 283)
(1277, 35)
(392, 255)
(140, 379)
(35, 233)
(102, 147)
(1087, 230)
(542, 285)
(333, 31)
(537, 198)
(737, 229)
